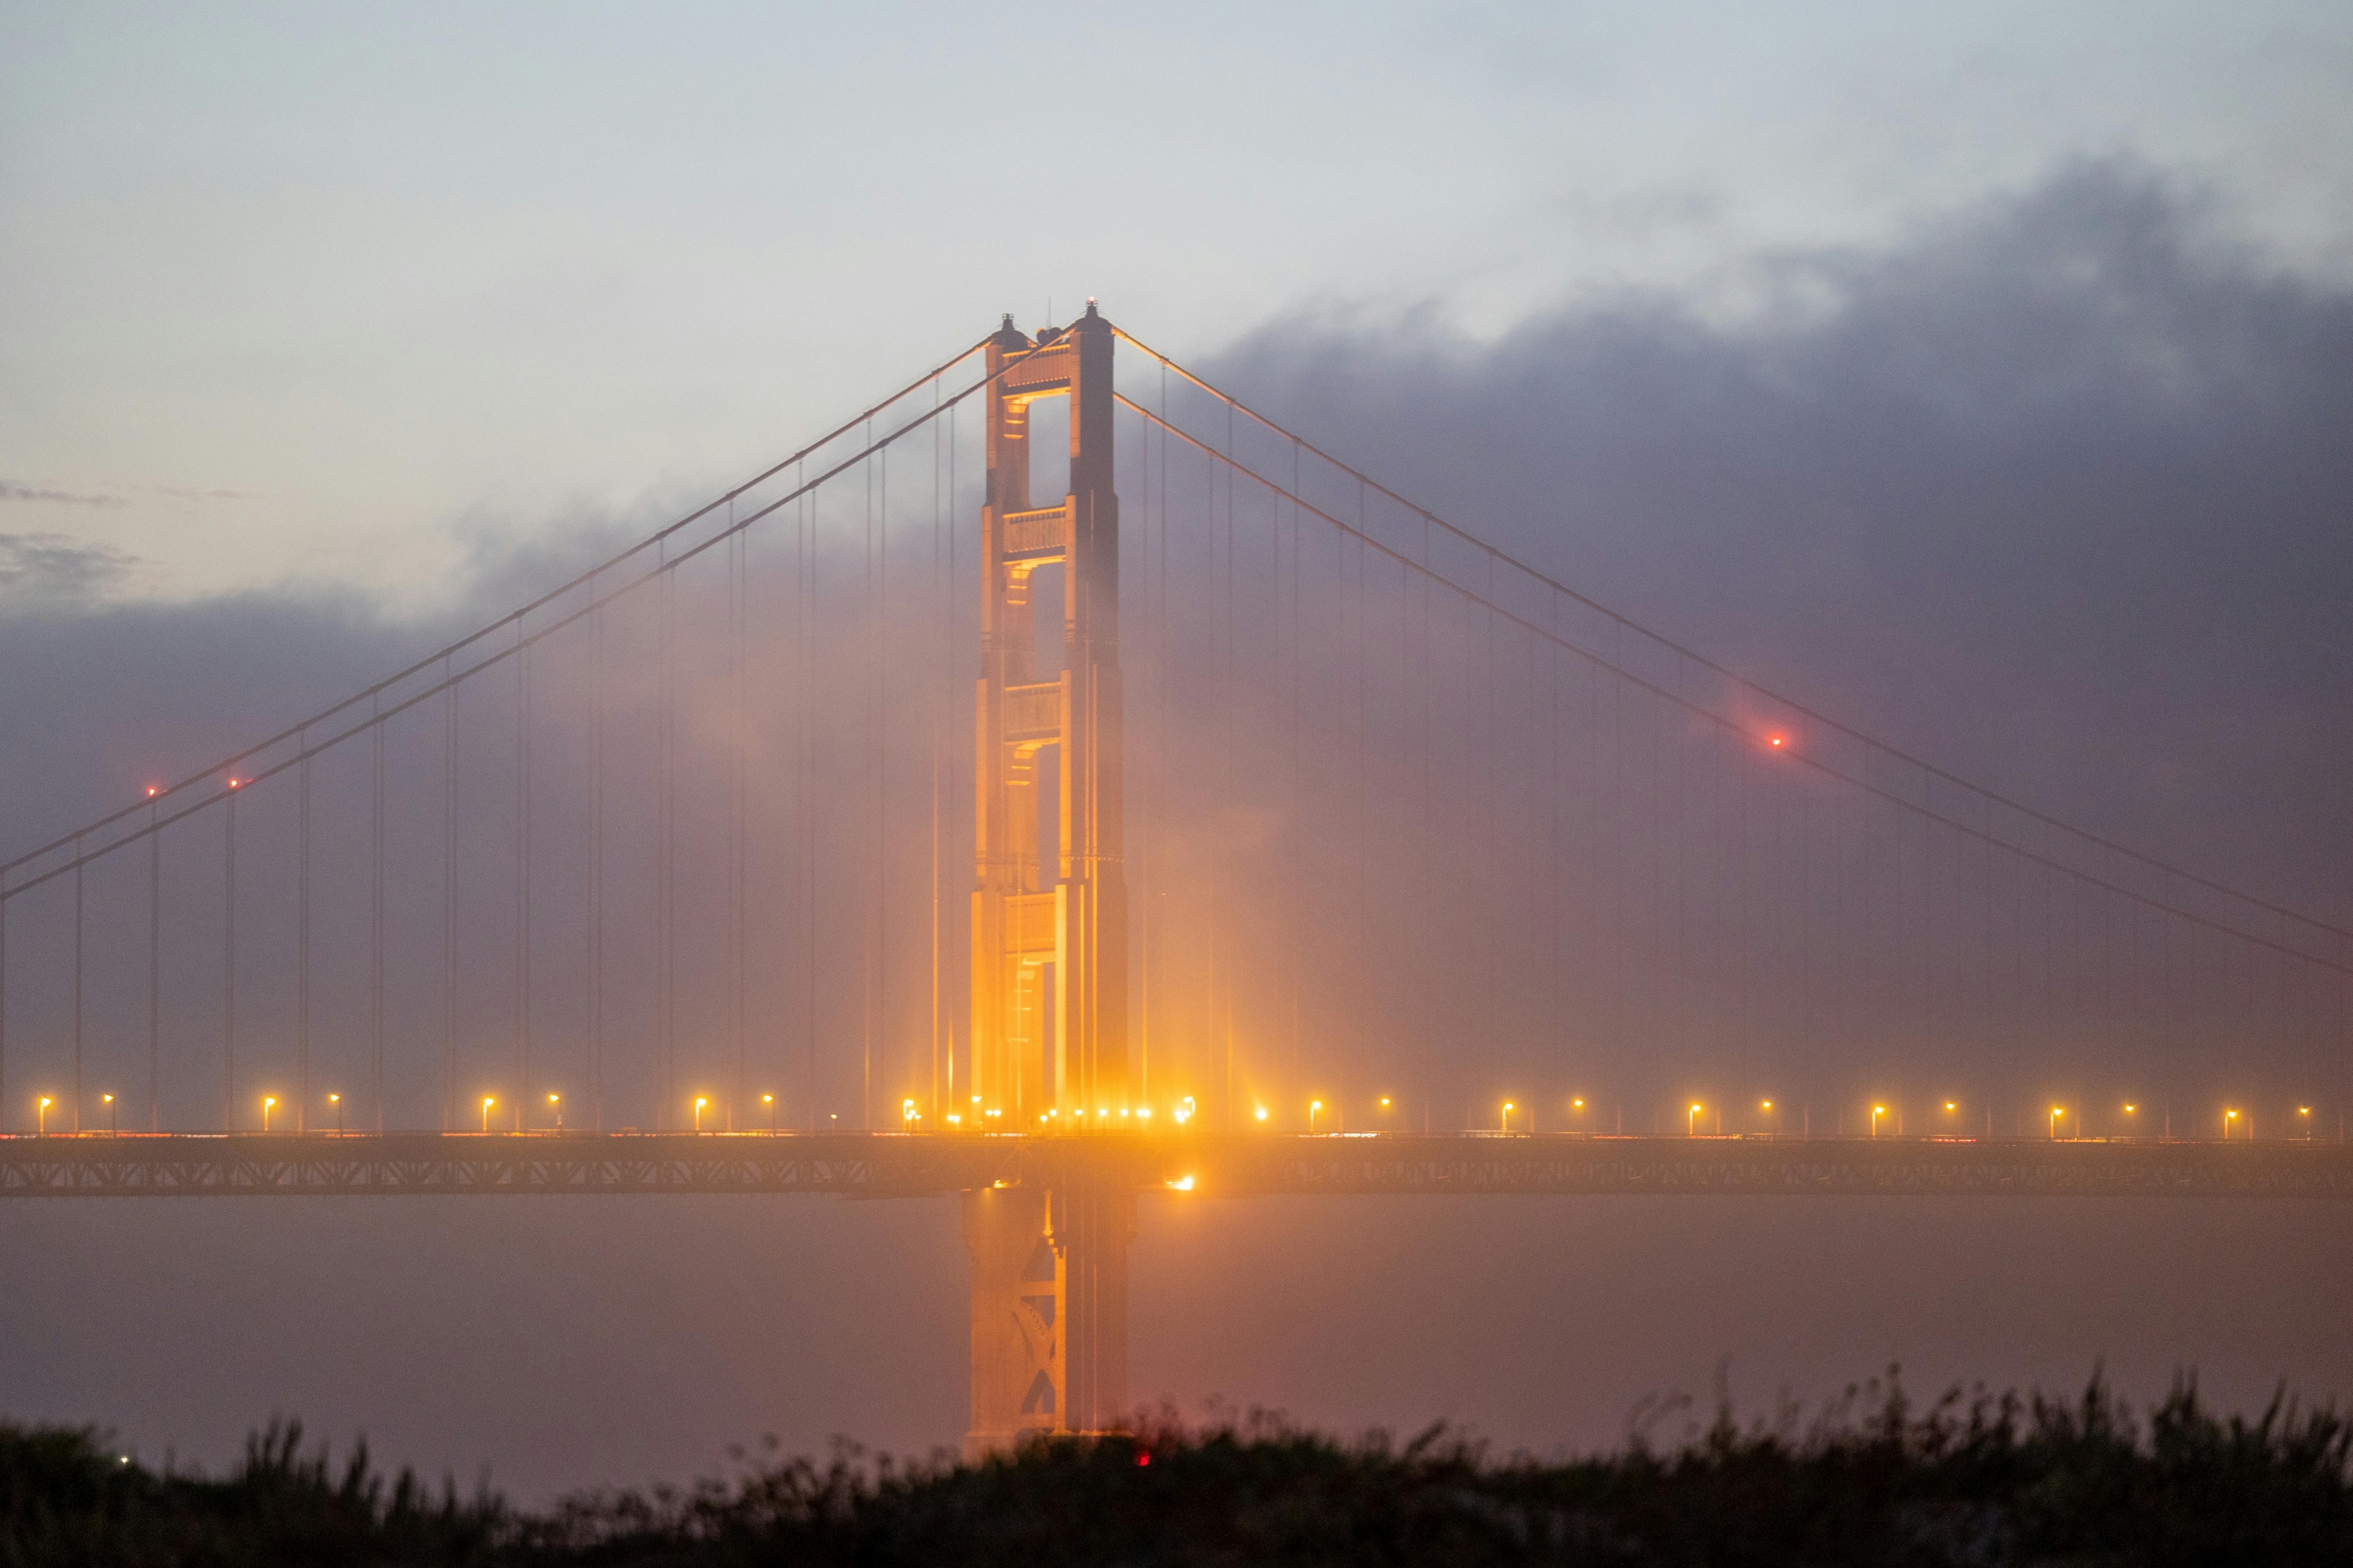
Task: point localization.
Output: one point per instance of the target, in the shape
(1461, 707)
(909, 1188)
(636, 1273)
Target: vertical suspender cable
(1555, 872)
(1617, 836)
(1425, 807)
(868, 903)
(1291, 765)
(596, 860)
(950, 644)
(302, 935)
(806, 588)
(735, 891)
(1162, 789)
(77, 984)
(879, 625)
(448, 901)
(523, 875)
(664, 873)
(375, 915)
(1229, 968)
(935, 711)
(155, 972)
(228, 963)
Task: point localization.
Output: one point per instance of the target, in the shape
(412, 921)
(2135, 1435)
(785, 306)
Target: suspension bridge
(1316, 846)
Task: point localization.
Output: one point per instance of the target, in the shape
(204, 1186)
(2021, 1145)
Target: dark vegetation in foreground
(1876, 1480)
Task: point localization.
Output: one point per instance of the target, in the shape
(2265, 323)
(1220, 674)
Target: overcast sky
(304, 294)
(1981, 376)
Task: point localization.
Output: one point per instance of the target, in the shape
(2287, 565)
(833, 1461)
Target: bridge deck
(894, 1165)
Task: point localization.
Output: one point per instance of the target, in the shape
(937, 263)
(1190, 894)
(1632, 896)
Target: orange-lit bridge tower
(1049, 903)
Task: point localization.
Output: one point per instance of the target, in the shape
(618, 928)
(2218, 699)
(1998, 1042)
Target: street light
(2056, 1112)
(337, 1101)
(699, 1101)
(1690, 1123)
(1876, 1112)
(2303, 1110)
(555, 1103)
(1261, 1114)
(770, 1101)
(108, 1100)
(1313, 1107)
(906, 1116)
(488, 1101)
(269, 1104)
(2228, 1117)
(1389, 1116)
(42, 1123)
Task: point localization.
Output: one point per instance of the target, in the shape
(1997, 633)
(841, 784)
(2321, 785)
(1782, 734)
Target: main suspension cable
(1670, 645)
(1431, 577)
(581, 579)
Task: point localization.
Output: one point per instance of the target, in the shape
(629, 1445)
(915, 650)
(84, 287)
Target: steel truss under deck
(881, 1165)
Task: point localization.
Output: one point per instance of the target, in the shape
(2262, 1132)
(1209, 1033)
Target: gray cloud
(49, 569)
(16, 491)
(2056, 491)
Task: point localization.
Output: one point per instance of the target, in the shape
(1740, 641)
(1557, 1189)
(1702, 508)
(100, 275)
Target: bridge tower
(1050, 903)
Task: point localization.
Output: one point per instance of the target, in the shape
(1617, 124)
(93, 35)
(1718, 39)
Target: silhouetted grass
(1975, 1480)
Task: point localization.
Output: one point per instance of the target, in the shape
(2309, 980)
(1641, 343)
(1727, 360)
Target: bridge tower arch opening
(1048, 1027)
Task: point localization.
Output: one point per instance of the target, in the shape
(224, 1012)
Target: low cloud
(16, 491)
(50, 570)
(2054, 490)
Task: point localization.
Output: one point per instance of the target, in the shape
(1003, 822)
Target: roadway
(881, 1165)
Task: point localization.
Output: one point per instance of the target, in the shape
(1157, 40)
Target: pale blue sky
(302, 294)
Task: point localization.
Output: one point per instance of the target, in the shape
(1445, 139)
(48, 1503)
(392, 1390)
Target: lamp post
(337, 1101)
(1315, 1107)
(1690, 1121)
(1765, 1107)
(699, 1101)
(1388, 1114)
(555, 1103)
(2056, 1112)
(770, 1101)
(488, 1101)
(1876, 1112)
(112, 1127)
(269, 1104)
(2228, 1117)
(2303, 1110)
(41, 1112)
